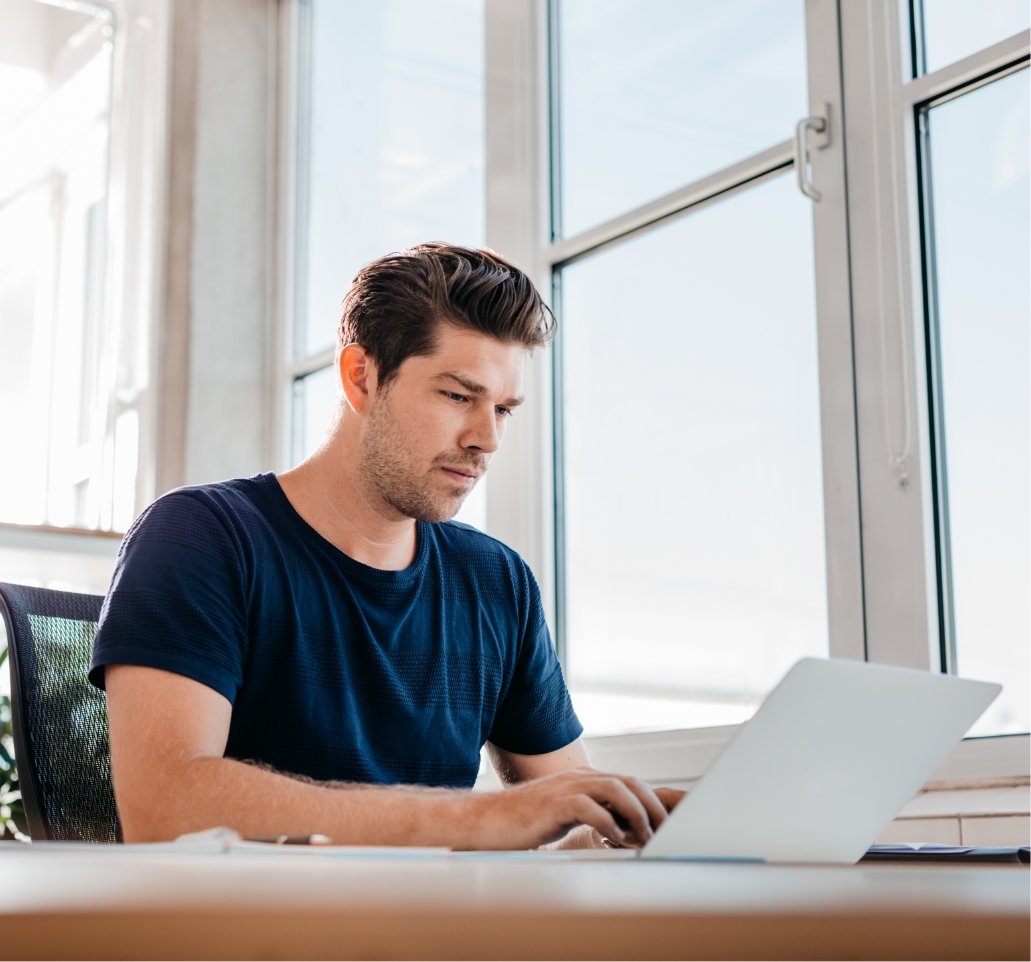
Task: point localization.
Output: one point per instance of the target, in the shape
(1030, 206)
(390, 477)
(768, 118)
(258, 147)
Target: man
(324, 651)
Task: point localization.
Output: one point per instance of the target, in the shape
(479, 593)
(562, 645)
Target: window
(772, 436)
(693, 489)
(55, 91)
(82, 155)
(315, 399)
(391, 153)
(81, 205)
(976, 150)
(656, 95)
(945, 31)
(690, 517)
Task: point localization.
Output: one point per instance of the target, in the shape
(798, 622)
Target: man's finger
(613, 792)
(584, 809)
(653, 804)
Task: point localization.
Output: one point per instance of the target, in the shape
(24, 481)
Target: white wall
(226, 401)
(220, 288)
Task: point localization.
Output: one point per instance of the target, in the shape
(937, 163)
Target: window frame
(287, 367)
(985, 72)
(880, 516)
(838, 422)
(907, 618)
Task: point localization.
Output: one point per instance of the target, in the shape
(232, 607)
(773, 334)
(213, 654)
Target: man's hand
(516, 769)
(535, 813)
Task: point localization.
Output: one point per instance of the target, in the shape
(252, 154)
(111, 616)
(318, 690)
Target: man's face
(431, 433)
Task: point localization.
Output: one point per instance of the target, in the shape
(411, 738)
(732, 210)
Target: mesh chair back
(59, 718)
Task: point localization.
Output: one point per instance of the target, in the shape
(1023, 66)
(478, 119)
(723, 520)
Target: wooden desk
(125, 902)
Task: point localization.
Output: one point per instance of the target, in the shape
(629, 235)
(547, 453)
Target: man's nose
(482, 434)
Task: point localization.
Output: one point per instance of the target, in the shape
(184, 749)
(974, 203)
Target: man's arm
(168, 735)
(513, 769)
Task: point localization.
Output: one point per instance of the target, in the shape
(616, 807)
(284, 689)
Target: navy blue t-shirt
(336, 670)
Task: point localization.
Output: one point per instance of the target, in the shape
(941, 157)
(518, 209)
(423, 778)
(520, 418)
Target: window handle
(819, 123)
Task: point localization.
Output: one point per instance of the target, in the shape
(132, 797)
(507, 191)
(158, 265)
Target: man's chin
(446, 505)
(434, 512)
(447, 512)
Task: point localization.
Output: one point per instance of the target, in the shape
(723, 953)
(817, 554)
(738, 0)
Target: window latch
(820, 124)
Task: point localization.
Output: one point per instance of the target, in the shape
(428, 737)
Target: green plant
(12, 812)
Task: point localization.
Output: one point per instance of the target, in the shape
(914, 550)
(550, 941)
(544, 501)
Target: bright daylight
(515, 479)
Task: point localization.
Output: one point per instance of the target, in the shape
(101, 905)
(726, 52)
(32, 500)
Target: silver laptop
(824, 765)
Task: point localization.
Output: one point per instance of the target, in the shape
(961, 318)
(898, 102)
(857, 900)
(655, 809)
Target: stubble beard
(392, 469)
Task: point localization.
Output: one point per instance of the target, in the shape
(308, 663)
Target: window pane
(396, 143)
(658, 93)
(55, 387)
(694, 500)
(954, 29)
(315, 400)
(980, 188)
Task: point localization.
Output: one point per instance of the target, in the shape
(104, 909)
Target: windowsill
(64, 559)
(45, 537)
(679, 757)
(55, 529)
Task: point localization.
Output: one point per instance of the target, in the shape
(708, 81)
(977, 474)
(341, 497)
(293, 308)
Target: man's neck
(328, 493)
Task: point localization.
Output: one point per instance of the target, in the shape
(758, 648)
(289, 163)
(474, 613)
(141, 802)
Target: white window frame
(921, 96)
(525, 501)
(900, 568)
(882, 576)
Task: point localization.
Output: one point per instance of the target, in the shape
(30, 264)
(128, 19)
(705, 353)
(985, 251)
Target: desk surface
(132, 902)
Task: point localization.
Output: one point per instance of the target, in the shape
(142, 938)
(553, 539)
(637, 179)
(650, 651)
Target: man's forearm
(207, 792)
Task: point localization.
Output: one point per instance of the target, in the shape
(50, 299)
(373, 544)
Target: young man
(324, 651)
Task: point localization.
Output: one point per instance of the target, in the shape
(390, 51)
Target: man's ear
(357, 377)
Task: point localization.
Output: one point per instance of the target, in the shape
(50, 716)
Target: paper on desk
(228, 841)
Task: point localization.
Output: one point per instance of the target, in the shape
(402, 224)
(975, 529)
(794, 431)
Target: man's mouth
(462, 476)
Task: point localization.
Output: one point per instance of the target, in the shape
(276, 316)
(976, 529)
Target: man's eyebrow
(473, 388)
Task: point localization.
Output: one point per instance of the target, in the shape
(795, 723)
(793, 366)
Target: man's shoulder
(202, 513)
(460, 536)
(474, 550)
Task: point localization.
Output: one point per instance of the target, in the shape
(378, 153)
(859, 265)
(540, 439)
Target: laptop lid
(825, 764)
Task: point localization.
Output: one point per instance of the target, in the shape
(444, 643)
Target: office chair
(59, 718)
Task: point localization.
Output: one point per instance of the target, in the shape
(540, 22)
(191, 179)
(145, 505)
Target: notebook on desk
(825, 764)
(959, 854)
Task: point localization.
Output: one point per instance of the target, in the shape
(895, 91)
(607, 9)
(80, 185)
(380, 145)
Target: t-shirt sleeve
(536, 714)
(177, 599)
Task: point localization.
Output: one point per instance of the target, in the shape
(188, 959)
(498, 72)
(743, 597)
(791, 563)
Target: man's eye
(504, 412)
(451, 396)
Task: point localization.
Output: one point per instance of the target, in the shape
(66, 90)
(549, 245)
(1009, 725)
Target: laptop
(829, 759)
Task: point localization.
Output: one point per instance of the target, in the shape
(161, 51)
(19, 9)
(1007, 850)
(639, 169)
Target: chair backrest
(59, 718)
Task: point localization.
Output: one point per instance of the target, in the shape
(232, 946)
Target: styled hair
(396, 304)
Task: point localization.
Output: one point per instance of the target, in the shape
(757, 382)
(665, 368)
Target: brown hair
(396, 303)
